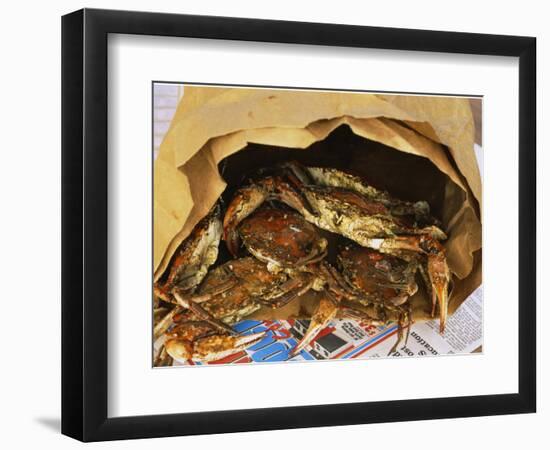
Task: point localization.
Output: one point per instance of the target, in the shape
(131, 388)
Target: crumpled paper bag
(211, 124)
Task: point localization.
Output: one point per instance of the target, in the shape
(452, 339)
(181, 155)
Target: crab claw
(210, 348)
(326, 311)
(439, 275)
(245, 201)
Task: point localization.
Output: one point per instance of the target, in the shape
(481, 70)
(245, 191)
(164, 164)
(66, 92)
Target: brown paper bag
(418, 138)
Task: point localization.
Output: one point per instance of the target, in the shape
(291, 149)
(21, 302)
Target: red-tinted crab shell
(381, 277)
(282, 237)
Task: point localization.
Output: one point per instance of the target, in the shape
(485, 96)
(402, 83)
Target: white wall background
(29, 231)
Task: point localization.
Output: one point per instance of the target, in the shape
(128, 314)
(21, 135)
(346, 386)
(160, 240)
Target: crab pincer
(326, 311)
(439, 275)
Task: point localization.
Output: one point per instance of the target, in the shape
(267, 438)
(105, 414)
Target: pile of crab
(275, 229)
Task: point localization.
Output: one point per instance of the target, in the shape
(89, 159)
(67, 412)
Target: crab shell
(282, 239)
(382, 279)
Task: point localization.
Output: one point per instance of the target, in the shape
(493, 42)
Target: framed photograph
(273, 225)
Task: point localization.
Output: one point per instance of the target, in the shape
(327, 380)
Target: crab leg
(326, 311)
(210, 348)
(351, 312)
(161, 293)
(163, 325)
(193, 305)
(403, 322)
(162, 359)
(205, 296)
(337, 283)
(291, 289)
(316, 254)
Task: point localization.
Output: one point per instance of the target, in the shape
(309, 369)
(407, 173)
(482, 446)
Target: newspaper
(351, 339)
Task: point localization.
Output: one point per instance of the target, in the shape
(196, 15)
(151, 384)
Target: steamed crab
(418, 211)
(382, 281)
(343, 204)
(228, 293)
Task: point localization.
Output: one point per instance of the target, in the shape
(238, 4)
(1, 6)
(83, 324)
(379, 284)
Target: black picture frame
(84, 224)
